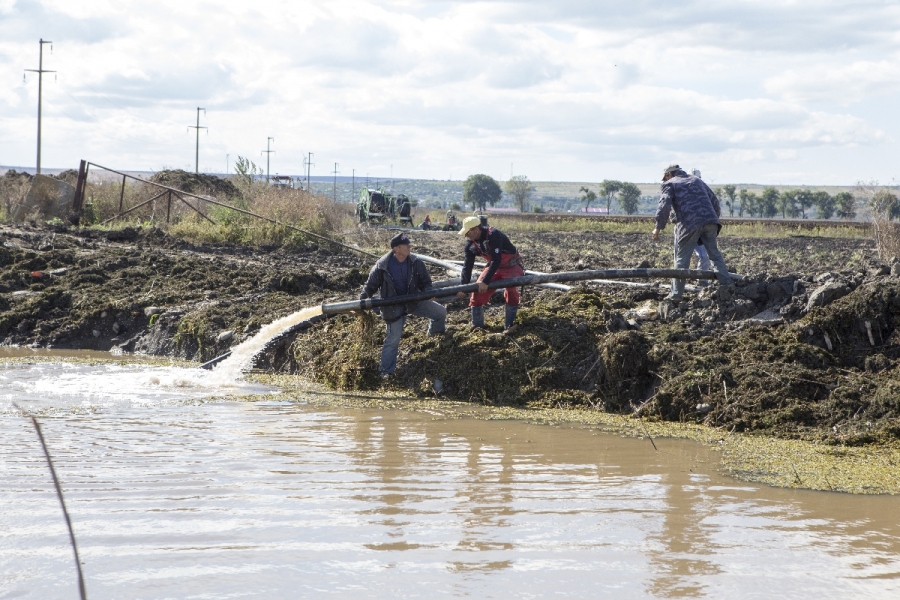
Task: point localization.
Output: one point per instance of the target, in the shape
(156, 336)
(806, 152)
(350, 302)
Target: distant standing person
(398, 273)
(697, 211)
(503, 261)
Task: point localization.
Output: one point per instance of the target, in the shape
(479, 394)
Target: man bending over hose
(398, 273)
(503, 261)
(697, 211)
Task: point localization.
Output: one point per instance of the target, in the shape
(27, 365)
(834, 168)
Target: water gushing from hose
(242, 355)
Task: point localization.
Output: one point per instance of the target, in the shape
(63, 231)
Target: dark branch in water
(62, 502)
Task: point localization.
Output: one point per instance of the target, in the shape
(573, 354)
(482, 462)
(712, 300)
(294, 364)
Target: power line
(40, 71)
(198, 128)
(268, 152)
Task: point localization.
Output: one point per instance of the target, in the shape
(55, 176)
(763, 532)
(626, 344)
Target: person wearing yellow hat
(503, 262)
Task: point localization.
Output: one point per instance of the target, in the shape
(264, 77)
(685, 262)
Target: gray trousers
(685, 248)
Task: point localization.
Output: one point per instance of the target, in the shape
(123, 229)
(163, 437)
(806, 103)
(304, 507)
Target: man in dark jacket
(697, 212)
(503, 262)
(399, 273)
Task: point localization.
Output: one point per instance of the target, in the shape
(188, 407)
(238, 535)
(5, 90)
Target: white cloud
(563, 89)
(837, 84)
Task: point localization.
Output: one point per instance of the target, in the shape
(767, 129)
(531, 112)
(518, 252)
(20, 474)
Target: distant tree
(481, 190)
(787, 203)
(587, 196)
(825, 205)
(246, 170)
(728, 192)
(748, 202)
(804, 199)
(846, 205)
(629, 197)
(521, 190)
(884, 203)
(768, 203)
(885, 207)
(608, 189)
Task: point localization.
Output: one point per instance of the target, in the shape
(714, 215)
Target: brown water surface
(175, 497)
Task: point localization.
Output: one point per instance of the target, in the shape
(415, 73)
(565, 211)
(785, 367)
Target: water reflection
(283, 500)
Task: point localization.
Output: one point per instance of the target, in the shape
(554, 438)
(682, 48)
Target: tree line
(790, 204)
(482, 191)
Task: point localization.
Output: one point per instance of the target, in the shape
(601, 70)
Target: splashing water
(243, 353)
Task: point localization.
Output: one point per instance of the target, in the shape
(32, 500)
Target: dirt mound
(141, 290)
(778, 377)
(788, 353)
(197, 183)
(13, 175)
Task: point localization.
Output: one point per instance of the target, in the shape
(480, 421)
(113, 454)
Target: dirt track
(809, 367)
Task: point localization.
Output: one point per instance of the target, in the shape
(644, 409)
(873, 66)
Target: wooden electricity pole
(197, 147)
(40, 71)
(268, 152)
(334, 190)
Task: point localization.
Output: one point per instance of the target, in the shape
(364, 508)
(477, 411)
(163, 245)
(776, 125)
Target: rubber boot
(510, 317)
(478, 317)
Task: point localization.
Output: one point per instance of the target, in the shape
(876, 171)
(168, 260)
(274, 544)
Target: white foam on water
(241, 355)
(63, 384)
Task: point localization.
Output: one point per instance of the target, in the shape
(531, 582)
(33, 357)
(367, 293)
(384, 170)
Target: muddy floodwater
(179, 489)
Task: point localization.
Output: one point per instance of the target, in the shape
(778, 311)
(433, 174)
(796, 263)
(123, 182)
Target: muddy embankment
(804, 347)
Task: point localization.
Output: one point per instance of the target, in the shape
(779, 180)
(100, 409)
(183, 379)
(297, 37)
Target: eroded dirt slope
(804, 346)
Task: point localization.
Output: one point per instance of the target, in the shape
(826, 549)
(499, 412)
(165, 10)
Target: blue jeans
(428, 309)
(686, 247)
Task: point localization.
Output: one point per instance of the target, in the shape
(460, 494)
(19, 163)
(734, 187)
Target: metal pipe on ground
(370, 303)
(452, 266)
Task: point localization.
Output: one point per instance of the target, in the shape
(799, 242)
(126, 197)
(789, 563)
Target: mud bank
(804, 347)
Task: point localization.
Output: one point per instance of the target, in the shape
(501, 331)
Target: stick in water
(62, 502)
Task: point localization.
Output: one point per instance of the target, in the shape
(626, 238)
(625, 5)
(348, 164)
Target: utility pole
(392, 179)
(40, 71)
(334, 192)
(309, 164)
(268, 153)
(353, 193)
(198, 128)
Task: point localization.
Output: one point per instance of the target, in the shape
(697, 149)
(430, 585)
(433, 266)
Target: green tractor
(381, 207)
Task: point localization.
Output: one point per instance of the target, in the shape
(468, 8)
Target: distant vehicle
(379, 206)
(285, 182)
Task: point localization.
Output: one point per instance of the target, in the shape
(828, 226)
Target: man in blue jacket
(398, 273)
(697, 211)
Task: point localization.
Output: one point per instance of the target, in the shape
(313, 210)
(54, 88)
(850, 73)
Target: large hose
(535, 279)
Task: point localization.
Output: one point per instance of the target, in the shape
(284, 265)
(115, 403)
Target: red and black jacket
(494, 247)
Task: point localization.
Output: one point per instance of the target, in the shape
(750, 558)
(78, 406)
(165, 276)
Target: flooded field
(177, 489)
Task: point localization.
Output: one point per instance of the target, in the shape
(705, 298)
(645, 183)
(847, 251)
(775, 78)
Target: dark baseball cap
(400, 238)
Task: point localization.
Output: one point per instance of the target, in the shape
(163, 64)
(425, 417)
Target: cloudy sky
(758, 91)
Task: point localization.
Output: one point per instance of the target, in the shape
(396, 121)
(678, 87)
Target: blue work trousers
(437, 324)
